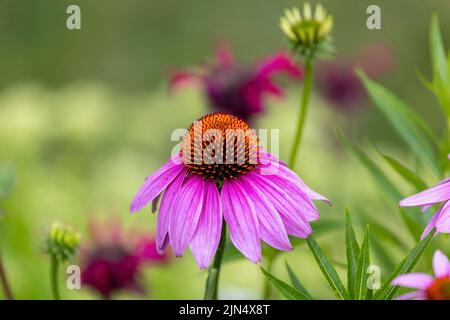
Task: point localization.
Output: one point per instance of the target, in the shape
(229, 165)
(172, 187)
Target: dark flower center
(439, 289)
(220, 146)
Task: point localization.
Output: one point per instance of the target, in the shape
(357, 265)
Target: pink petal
(415, 295)
(435, 194)
(165, 210)
(288, 174)
(296, 196)
(178, 79)
(240, 215)
(271, 225)
(441, 265)
(279, 63)
(207, 236)
(156, 183)
(419, 281)
(431, 225)
(443, 221)
(293, 214)
(224, 56)
(187, 207)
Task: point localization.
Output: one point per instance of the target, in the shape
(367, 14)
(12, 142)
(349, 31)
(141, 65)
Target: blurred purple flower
(339, 83)
(236, 89)
(113, 260)
(428, 288)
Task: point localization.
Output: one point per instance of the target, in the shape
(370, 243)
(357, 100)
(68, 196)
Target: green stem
(212, 282)
(303, 113)
(267, 294)
(294, 152)
(54, 277)
(4, 281)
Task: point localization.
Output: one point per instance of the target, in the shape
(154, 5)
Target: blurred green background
(85, 115)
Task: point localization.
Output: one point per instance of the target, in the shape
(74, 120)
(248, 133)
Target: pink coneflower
(237, 89)
(221, 172)
(436, 194)
(114, 260)
(428, 288)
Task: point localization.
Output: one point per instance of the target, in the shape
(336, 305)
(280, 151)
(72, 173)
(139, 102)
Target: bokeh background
(85, 115)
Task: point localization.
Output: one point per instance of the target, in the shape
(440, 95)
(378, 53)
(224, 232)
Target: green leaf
(6, 181)
(327, 269)
(286, 290)
(382, 231)
(352, 256)
(296, 283)
(411, 219)
(438, 56)
(383, 257)
(405, 120)
(406, 173)
(361, 271)
(387, 290)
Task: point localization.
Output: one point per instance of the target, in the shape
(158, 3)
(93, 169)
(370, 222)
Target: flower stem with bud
(54, 278)
(303, 112)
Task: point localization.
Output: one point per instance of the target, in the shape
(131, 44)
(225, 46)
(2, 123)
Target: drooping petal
(278, 63)
(290, 175)
(207, 236)
(417, 280)
(441, 265)
(443, 221)
(156, 183)
(292, 214)
(430, 225)
(240, 215)
(185, 213)
(415, 295)
(165, 210)
(435, 194)
(271, 225)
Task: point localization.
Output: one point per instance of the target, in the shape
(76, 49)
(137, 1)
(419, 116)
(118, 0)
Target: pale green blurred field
(85, 118)
(84, 149)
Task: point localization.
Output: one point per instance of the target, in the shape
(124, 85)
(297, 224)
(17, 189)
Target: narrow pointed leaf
(411, 218)
(327, 269)
(361, 271)
(438, 56)
(285, 289)
(406, 173)
(296, 283)
(352, 256)
(409, 125)
(387, 290)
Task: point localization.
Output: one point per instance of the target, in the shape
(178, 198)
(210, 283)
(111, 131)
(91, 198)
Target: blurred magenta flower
(428, 288)
(237, 89)
(339, 83)
(113, 260)
(436, 194)
(259, 197)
